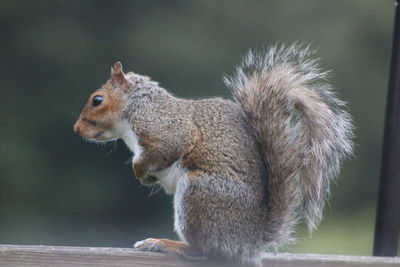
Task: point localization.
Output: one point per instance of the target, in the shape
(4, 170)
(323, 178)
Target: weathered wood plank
(21, 256)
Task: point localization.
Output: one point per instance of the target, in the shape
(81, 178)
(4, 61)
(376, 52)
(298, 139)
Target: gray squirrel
(243, 173)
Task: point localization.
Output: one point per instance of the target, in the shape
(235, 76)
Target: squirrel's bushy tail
(302, 128)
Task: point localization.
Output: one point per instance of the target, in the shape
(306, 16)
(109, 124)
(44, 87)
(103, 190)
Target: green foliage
(56, 189)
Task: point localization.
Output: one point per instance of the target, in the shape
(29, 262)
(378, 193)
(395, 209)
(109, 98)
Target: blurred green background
(55, 189)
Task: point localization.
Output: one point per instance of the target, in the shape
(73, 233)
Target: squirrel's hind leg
(221, 216)
(169, 246)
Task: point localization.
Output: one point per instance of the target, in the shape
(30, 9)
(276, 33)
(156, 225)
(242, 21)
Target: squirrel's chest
(169, 177)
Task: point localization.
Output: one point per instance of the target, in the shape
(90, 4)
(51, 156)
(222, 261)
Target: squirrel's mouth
(149, 180)
(101, 137)
(97, 136)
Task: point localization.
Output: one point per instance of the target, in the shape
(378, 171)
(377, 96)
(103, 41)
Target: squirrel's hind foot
(149, 244)
(178, 248)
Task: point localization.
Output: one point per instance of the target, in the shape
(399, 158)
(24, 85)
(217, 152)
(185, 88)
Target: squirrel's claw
(149, 244)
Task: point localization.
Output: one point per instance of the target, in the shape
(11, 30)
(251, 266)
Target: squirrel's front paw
(149, 244)
(141, 172)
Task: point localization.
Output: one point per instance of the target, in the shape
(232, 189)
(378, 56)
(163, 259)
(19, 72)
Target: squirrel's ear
(118, 76)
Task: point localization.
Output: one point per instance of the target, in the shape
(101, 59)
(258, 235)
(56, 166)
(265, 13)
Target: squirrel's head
(100, 117)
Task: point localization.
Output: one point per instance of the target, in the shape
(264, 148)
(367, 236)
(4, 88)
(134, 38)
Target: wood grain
(21, 256)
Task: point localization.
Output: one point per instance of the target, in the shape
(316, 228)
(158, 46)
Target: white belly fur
(169, 177)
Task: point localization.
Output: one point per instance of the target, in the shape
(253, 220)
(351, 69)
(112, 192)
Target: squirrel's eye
(97, 100)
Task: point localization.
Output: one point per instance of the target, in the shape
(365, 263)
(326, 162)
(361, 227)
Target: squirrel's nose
(76, 127)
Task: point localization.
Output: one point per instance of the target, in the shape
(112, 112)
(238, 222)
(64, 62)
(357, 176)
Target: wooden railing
(43, 256)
